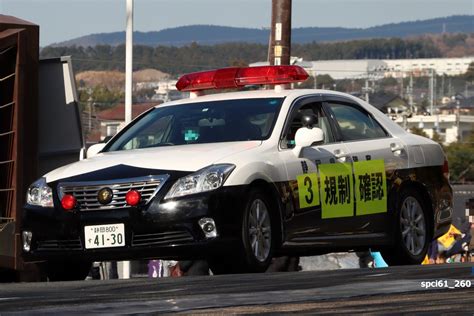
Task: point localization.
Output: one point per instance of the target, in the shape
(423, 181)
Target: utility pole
(367, 90)
(442, 85)
(129, 62)
(401, 85)
(89, 103)
(128, 91)
(280, 37)
(410, 92)
(431, 91)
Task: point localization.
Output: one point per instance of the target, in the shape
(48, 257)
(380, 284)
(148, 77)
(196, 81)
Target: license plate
(104, 236)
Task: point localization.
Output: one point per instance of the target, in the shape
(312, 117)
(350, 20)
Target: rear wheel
(67, 270)
(413, 232)
(257, 243)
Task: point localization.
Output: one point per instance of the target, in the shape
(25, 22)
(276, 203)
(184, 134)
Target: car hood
(177, 158)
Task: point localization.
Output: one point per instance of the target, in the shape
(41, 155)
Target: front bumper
(161, 229)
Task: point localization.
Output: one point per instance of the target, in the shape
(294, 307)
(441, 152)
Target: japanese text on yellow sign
(341, 184)
(336, 190)
(370, 187)
(308, 189)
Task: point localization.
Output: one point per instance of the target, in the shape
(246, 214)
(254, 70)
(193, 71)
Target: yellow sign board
(337, 199)
(370, 187)
(308, 189)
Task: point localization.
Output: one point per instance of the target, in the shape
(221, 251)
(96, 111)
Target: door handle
(340, 155)
(396, 148)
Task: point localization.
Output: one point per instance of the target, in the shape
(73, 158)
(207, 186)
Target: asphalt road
(391, 290)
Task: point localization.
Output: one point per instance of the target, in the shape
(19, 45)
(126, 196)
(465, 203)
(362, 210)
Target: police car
(238, 178)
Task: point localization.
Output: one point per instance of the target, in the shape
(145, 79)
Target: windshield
(199, 123)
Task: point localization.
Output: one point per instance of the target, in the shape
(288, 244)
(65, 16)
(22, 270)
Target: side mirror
(94, 149)
(306, 137)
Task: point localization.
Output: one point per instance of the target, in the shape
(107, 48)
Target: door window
(355, 123)
(320, 121)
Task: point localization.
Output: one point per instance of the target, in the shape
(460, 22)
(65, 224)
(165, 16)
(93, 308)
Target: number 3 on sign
(308, 189)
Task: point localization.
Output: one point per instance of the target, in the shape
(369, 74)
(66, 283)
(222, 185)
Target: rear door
(375, 155)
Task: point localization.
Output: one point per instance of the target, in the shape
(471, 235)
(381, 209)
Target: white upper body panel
(253, 159)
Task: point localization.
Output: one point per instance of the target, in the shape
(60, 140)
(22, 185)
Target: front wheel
(257, 233)
(412, 232)
(67, 270)
(257, 244)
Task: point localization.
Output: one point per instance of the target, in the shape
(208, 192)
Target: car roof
(294, 93)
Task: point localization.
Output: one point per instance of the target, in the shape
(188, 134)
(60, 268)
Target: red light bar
(236, 77)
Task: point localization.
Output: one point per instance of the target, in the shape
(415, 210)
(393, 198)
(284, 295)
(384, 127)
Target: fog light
(133, 197)
(27, 240)
(208, 227)
(68, 202)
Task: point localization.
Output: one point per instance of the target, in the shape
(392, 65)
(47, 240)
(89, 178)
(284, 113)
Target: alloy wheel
(413, 225)
(259, 230)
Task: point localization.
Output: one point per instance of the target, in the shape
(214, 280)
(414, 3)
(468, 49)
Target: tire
(257, 242)
(413, 232)
(67, 271)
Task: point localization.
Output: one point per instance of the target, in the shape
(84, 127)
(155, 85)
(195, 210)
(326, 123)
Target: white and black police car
(238, 178)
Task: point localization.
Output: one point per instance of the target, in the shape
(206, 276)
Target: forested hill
(195, 57)
(212, 35)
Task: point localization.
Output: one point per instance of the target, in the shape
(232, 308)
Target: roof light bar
(236, 77)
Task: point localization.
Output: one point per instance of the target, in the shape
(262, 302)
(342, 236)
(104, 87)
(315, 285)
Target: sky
(62, 20)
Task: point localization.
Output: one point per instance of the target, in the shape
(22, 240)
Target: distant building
(146, 85)
(389, 103)
(423, 66)
(167, 91)
(378, 68)
(113, 120)
(451, 127)
(461, 106)
(347, 69)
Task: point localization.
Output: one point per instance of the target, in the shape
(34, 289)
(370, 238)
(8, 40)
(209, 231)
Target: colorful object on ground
(379, 262)
(447, 240)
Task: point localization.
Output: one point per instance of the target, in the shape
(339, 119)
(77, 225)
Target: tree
(197, 57)
(438, 138)
(461, 160)
(469, 75)
(418, 131)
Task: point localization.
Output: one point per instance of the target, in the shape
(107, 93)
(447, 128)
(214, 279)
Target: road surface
(386, 290)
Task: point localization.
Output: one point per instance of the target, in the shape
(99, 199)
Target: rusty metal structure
(19, 51)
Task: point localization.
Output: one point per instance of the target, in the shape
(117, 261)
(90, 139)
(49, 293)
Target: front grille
(168, 238)
(86, 192)
(52, 245)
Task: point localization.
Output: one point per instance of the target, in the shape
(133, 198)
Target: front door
(320, 180)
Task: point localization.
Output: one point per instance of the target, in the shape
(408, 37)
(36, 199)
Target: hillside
(212, 34)
(195, 57)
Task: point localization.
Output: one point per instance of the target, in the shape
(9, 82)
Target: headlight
(207, 179)
(40, 194)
